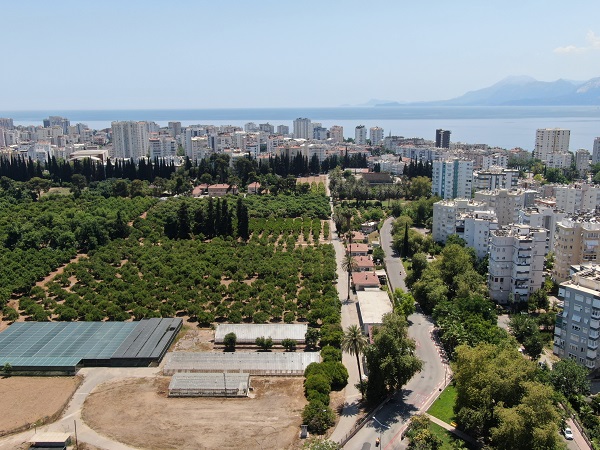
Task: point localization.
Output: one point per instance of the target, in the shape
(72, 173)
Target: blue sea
(505, 127)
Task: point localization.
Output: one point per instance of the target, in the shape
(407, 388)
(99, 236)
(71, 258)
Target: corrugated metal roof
(213, 381)
(255, 363)
(247, 333)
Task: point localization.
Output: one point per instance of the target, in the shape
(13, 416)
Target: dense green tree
(570, 379)
(390, 359)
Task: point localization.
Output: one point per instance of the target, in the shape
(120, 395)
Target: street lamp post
(379, 441)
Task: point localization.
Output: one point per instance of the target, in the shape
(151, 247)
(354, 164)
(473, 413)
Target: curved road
(422, 389)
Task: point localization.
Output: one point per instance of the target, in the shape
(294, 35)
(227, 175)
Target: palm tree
(354, 343)
(350, 265)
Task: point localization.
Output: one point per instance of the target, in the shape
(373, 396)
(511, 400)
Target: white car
(568, 434)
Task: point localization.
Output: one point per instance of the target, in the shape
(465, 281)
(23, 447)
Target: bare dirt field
(139, 413)
(314, 179)
(26, 400)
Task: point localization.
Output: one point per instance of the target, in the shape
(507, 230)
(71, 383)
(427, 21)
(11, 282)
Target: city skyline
(277, 54)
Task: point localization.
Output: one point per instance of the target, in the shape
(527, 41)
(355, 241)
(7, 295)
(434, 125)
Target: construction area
(139, 413)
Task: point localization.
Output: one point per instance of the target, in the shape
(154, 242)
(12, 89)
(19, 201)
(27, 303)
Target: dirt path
(59, 271)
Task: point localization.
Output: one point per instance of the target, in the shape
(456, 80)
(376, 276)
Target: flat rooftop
(66, 346)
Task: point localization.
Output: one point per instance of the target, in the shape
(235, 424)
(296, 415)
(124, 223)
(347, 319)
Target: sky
(130, 54)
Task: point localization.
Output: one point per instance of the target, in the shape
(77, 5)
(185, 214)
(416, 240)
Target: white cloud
(593, 44)
(593, 40)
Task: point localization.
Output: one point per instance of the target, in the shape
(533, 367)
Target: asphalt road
(422, 389)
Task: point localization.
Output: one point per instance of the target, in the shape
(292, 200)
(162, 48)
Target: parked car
(568, 434)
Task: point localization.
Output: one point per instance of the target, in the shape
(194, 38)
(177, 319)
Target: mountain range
(521, 91)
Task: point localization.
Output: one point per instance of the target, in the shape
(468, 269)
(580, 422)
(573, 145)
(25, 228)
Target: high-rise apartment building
(576, 198)
(550, 140)
(516, 264)
(174, 129)
(336, 133)
(61, 122)
(130, 139)
(469, 219)
(302, 128)
(442, 138)
(577, 328)
(360, 135)
(6, 123)
(582, 162)
(376, 135)
(266, 128)
(283, 130)
(595, 151)
(506, 203)
(452, 179)
(162, 147)
(576, 241)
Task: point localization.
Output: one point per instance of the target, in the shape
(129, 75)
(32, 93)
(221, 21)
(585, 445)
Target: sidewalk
(351, 411)
(453, 430)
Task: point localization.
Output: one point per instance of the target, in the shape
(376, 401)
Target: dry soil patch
(139, 413)
(26, 400)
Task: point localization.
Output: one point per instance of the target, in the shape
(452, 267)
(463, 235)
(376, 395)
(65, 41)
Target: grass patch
(443, 407)
(448, 439)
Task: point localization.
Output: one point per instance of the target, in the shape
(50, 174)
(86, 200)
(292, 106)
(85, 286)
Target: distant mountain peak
(516, 80)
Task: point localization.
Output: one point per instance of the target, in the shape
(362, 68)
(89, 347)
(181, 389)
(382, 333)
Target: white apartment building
(495, 177)
(551, 140)
(376, 135)
(582, 162)
(360, 135)
(542, 217)
(577, 241)
(130, 139)
(221, 141)
(162, 146)
(577, 328)
(452, 179)
(516, 264)
(559, 160)
(186, 136)
(506, 203)
(596, 151)
(495, 160)
(303, 128)
(309, 150)
(199, 148)
(336, 134)
(574, 198)
(445, 213)
(475, 228)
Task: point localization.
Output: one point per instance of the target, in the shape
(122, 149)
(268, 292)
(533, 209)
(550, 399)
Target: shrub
(338, 374)
(318, 416)
(314, 395)
(318, 382)
(331, 354)
(229, 341)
